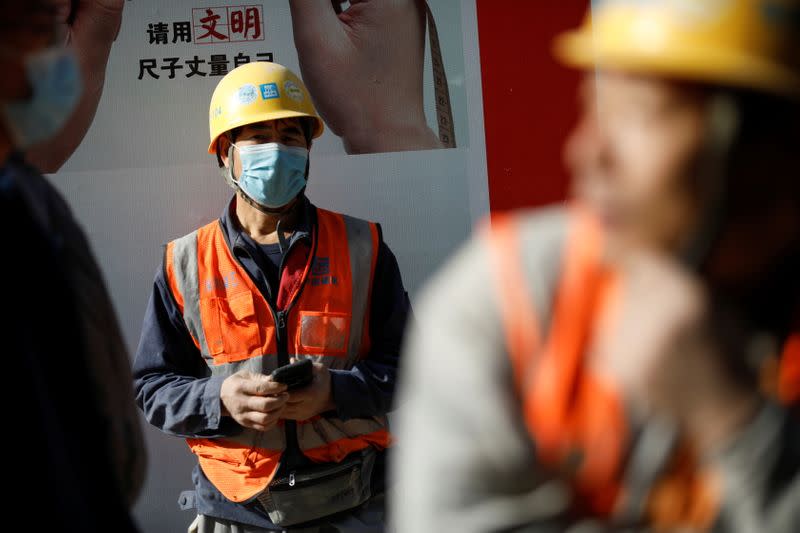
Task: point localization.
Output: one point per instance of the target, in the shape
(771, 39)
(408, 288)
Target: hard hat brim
(580, 49)
(267, 116)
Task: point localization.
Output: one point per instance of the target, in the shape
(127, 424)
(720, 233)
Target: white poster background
(142, 177)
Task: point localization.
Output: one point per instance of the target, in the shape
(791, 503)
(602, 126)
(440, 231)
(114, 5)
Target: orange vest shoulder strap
(169, 273)
(565, 407)
(363, 241)
(526, 256)
(549, 277)
(181, 269)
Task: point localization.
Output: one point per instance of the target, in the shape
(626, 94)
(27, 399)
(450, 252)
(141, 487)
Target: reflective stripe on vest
(552, 289)
(232, 325)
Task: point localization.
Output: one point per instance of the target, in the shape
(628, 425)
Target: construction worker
(274, 280)
(600, 366)
(69, 388)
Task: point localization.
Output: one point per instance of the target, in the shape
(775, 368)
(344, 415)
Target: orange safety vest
(322, 313)
(552, 290)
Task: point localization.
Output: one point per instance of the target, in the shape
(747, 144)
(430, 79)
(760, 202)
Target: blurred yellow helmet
(255, 92)
(740, 43)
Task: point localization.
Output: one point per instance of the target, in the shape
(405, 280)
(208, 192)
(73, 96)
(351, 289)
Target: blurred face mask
(55, 80)
(272, 174)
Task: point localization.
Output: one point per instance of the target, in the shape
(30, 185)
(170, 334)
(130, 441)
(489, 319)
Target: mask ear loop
(227, 172)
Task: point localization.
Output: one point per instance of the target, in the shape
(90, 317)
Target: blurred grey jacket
(465, 460)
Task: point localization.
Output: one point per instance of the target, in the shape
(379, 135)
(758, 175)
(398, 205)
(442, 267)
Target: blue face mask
(55, 80)
(272, 174)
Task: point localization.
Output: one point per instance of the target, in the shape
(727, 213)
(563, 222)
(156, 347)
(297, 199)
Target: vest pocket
(231, 327)
(324, 333)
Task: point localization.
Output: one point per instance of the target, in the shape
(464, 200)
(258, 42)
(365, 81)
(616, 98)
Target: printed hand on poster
(364, 69)
(92, 28)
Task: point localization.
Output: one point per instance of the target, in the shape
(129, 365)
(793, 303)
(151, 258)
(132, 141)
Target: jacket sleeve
(368, 388)
(464, 461)
(173, 385)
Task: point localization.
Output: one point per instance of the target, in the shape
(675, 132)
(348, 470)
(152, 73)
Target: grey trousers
(369, 518)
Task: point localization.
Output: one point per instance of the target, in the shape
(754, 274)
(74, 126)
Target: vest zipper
(292, 453)
(292, 450)
(282, 323)
(290, 426)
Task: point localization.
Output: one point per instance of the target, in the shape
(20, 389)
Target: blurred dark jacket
(75, 430)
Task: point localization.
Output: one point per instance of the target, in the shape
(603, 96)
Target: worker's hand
(364, 70)
(657, 346)
(92, 29)
(253, 400)
(312, 400)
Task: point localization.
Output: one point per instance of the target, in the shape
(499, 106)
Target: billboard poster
(403, 145)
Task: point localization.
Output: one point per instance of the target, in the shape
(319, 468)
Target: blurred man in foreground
(74, 419)
(605, 365)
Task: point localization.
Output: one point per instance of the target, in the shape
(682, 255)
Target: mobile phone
(295, 375)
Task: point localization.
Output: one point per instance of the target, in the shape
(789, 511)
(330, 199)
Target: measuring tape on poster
(444, 112)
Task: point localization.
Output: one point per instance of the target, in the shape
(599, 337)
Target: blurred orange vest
(551, 300)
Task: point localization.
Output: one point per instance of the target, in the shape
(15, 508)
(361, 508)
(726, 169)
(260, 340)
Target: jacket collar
(239, 240)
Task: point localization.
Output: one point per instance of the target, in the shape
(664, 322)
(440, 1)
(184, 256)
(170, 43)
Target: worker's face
(287, 131)
(26, 27)
(632, 156)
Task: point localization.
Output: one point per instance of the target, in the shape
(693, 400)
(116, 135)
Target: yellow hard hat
(255, 92)
(740, 43)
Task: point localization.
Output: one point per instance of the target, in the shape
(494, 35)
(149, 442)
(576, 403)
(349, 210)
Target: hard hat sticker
(247, 94)
(294, 92)
(269, 91)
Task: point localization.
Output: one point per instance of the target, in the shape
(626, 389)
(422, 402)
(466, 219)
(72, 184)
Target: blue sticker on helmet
(269, 91)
